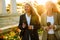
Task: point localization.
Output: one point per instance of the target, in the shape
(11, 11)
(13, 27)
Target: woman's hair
(32, 10)
(54, 8)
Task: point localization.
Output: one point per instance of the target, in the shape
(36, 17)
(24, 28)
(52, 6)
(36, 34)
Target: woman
(29, 24)
(50, 21)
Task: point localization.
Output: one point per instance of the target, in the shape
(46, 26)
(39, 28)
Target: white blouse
(28, 18)
(51, 20)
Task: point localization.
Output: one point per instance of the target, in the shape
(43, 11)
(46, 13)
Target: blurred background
(10, 11)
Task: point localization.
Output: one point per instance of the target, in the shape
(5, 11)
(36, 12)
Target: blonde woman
(29, 24)
(50, 22)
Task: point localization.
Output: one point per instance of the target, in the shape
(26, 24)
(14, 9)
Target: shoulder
(43, 15)
(58, 14)
(35, 16)
(22, 15)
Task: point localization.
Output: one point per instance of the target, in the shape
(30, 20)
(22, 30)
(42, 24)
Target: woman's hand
(53, 27)
(23, 25)
(30, 27)
(46, 28)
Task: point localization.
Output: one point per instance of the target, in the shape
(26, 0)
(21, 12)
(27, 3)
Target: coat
(56, 22)
(25, 32)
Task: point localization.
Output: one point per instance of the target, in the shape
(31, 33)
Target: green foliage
(10, 35)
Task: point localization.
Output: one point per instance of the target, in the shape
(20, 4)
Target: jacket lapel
(55, 19)
(56, 22)
(25, 19)
(31, 20)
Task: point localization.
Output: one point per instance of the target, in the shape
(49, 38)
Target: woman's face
(49, 7)
(27, 8)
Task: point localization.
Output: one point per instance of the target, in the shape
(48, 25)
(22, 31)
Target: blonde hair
(54, 8)
(32, 10)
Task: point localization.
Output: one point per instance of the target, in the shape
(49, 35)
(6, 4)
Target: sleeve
(58, 19)
(21, 21)
(20, 24)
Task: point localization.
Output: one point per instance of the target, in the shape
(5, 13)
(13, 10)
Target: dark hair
(48, 23)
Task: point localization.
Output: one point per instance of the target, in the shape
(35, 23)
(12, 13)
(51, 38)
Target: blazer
(25, 32)
(56, 22)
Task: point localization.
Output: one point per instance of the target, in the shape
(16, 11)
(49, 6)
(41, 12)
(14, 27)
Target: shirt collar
(28, 16)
